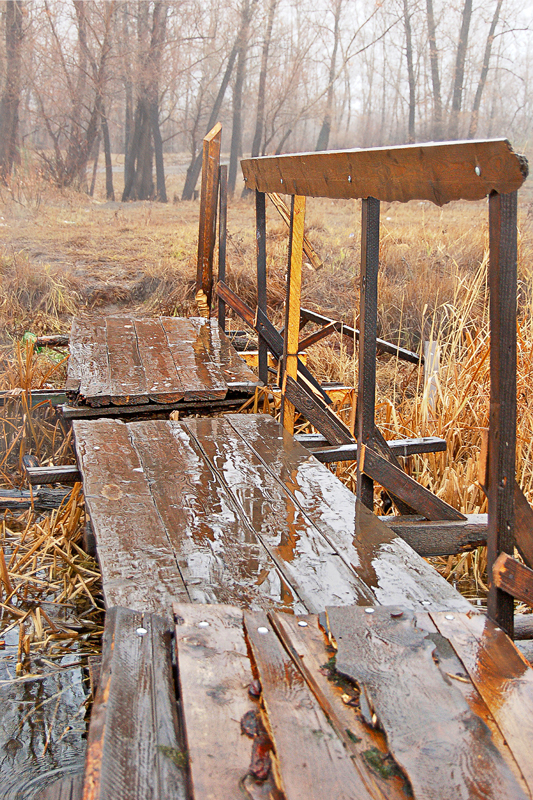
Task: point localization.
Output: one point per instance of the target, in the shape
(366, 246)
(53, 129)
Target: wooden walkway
(122, 362)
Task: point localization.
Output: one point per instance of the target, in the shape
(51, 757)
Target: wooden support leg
(292, 308)
(502, 425)
(366, 402)
(222, 226)
(260, 235)
(208, 218)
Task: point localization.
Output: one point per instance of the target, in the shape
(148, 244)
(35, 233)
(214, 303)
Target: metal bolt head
(449, 616)
(369, 610)
(262, 629)
(203, 624)
(302, 623)
(141, 631)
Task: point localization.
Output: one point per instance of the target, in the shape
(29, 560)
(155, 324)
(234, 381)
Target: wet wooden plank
(500, 674)
(235, 371)
(307, 560)
(348, 452)
(219, 555)
(163, 383)
(386, 564)
(439, 172)
(406, 488)
(431, 539)
(128, 381)
(513, 577)
(88, 365)
(214, 674)
(67, 788)
(311, 761)
(310, 651)
(139, 568)
(133, 749)
(208, 211)
(189, 346)
(292, 306)
(445, 749)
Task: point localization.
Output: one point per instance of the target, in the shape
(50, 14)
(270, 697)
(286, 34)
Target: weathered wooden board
(188, 344)
(133, 749)
(308, 755)
(236, 373)
(292, 306)
(502, 677)
(306, 559)
(386, 564)
(431, 539)
(439, 172)
(67, 788)
(316, 411)
(513, 577)
(88, 365)
(127, 377)
(208, 211)
(162, 380)
(306, 644)
(139, 568)
(446, 750)
(218, 552)
(214, 675)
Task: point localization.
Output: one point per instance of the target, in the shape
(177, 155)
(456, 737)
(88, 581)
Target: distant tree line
(80, 77)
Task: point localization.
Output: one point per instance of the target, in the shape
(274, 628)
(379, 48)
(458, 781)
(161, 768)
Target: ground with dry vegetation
(62, 252)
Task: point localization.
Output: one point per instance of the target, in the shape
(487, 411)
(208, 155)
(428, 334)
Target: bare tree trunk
(410, 71)
(474, 119)
(9, 104)
(435, 77)
(453, 130)
(236, 129)
(323, 136)
(260, 117)
(109, 190)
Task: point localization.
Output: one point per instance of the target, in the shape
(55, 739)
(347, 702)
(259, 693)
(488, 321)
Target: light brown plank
(382, 560)
(214, 673)
(311, 761)
(308, 648)
(208, 211)
(502, 677)
(219, 555)
(189, 347)
(439, 172)
(88, 366)
(445, 749)
(139, 568)
(304, 557)
(133, 750)
(292, 305)
(128, 381)
(163, 383)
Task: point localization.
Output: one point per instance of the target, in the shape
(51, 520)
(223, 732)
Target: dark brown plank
(219, 555)
(396, 480)
(88, 365)
(133, 749)
(317, 336)
(523, 626)
(214, 674)
(306, 645)
(208, 211)
(52, 340)
(386, 564)
(500, 674)
(139, 568)
(40, 499)
(302, 554)
(235, 371)
(445, 749)
(316, 412)
(222, 238)
(128, 381)
(312, 762)
(348, 452)
(430, 539)
(195, 406)
(513, 577)
(523, 526)
(201, 379)
(260, 237)
(439, 172)
(163, 382)
(62, 474)
(502, 279)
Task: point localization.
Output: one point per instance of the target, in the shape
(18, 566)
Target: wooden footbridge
(268, 636)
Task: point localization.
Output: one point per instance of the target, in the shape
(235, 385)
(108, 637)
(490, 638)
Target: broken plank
(40, 499)
(513, 577)
(219, 554)
(383, 561)
(501, 675)
(445, 749)
(214, 674)
(307, 646)
(139, 568)
(402, 485)
(311, 761)
(88, 365)
(133, 748)
(306, 559)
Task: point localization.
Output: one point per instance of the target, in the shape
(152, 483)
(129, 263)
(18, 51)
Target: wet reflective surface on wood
(131, 361)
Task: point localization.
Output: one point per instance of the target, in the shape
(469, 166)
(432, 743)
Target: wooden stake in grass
(292, 309)
(4, 574)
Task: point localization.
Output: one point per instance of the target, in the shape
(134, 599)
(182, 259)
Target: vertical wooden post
(368, 317)
(208, 219)
(292, 308)
(502, 421)
(260, 235)
(222, 226)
